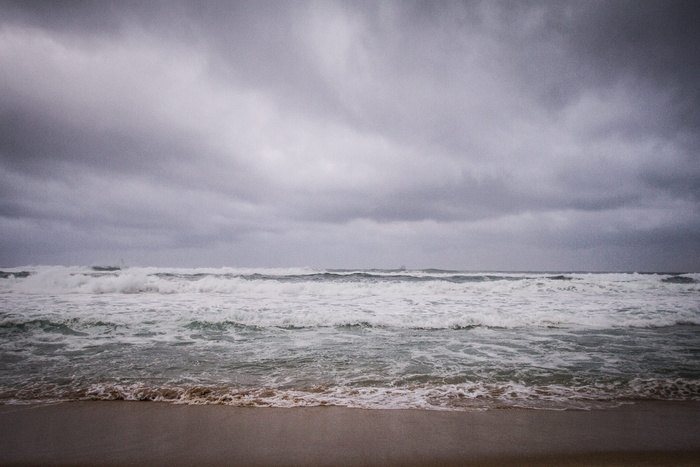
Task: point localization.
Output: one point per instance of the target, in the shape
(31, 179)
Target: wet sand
(148, 433)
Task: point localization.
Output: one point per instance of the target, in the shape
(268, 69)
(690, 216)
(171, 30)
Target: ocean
(399, 339)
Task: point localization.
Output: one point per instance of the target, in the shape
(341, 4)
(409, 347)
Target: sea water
(428, 339)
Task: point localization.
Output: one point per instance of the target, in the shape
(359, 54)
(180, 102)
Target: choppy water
(377, 339)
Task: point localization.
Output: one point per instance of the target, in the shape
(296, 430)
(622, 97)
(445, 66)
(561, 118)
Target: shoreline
(152, 433)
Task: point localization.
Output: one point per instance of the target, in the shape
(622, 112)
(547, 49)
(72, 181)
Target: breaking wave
(443, 340)
(471, 396)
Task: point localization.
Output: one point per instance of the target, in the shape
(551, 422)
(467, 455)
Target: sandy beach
(147, 433)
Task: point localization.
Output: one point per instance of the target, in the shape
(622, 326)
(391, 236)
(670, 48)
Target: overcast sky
(487, 135)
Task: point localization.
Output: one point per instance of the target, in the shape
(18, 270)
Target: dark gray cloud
(497, 135)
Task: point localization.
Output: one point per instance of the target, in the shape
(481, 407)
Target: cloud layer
(475, 135)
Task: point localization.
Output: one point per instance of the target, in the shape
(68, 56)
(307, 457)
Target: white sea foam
(436, 339)
(474, 396)
(590, 301)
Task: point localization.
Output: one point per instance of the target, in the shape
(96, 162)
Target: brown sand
(148, 433)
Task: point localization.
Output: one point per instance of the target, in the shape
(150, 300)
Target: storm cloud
(510, 135)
